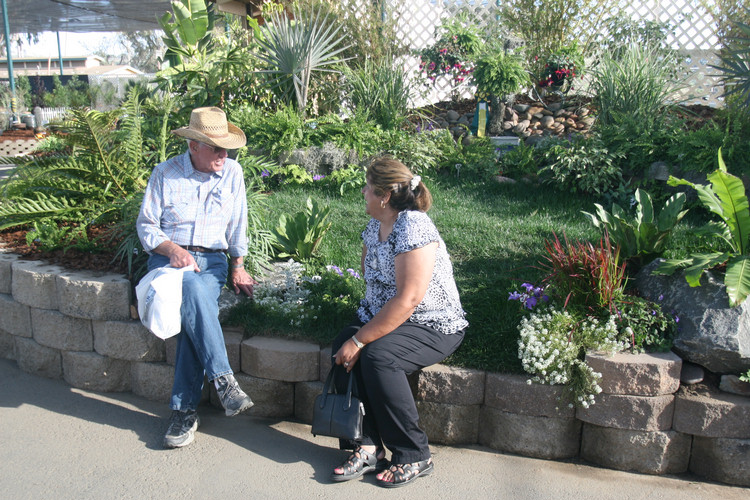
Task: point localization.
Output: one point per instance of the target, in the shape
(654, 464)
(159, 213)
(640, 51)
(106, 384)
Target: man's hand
(241, 281)
(178, 256)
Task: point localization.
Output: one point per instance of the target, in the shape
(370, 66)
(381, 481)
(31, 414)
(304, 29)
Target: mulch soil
(14, 240)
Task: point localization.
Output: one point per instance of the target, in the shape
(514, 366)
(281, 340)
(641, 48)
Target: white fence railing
(693, 25)
(49, 114)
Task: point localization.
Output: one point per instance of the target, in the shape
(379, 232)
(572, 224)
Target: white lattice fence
(693, 25)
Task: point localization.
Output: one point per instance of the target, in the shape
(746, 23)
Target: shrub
(458, 43)
(585, 165)
(380, 91)
(645, 325)
(552, 346)
(299, 236)
(296, 305)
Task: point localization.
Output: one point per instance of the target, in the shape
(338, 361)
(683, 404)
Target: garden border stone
(35, 283)
(638, 413)
(502, 411)
(90, 295)
(16, 317)
(513, 394)
(6, 271)
(127, 340)
(641, 374)
(650, 452)
(712, 414)
(721, 459)
(37, 359)
(538, 437)
(7, 345)
(92, 371)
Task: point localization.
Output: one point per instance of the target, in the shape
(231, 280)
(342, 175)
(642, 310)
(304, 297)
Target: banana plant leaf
(737, 279)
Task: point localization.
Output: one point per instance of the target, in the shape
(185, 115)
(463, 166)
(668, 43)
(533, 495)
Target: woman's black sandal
(404, 474)
(360, 462)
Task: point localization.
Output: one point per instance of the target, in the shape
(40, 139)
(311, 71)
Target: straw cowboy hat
(210, 126)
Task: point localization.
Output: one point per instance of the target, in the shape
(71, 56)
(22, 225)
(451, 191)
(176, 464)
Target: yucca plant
(725, 197)
(294, 49)
(105, 167)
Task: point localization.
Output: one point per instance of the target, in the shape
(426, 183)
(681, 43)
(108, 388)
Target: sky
(71, 44)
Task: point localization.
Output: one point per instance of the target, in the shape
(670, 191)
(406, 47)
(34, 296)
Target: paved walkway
(5, 170)
(65, 443)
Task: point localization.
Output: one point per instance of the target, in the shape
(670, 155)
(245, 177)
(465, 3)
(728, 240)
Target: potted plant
(562, 67)
(498, 75)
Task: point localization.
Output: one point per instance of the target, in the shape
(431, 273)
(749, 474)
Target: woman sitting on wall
(411, 317)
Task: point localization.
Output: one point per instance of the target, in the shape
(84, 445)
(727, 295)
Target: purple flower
(265, 173)
(661, 297)
(530, 303)
(318, 177)
(353, 273)
(514, 296)
(335, 269)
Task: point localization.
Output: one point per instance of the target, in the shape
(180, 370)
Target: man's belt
(194, 248)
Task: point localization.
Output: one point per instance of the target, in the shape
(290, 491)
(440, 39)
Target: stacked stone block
(528, 419)
(720, 424)
(634, 414)
(77, 326)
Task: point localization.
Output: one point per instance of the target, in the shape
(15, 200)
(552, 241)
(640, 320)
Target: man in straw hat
(194, 213)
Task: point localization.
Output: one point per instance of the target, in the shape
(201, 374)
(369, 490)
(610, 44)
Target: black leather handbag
(338, 415)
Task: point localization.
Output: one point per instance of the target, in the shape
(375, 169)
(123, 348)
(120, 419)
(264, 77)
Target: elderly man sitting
(194, 213)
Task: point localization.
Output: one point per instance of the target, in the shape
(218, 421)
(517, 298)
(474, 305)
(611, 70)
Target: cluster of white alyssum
(551, 344)
(284, 296)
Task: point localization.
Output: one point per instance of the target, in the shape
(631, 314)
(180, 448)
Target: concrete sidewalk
(65, 443)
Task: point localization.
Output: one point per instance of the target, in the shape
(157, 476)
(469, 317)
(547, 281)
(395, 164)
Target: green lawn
(495, 234)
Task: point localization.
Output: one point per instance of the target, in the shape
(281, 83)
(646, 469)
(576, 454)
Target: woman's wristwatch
(359, 344)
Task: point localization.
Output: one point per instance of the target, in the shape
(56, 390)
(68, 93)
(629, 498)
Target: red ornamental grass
(586, 275)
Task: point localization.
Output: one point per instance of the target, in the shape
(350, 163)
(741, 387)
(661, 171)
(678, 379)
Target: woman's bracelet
(359, 344)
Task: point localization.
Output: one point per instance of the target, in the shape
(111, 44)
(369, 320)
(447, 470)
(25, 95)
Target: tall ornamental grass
(637, 86)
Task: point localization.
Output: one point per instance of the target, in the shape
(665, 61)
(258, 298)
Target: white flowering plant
(552, 345)
(294, 301)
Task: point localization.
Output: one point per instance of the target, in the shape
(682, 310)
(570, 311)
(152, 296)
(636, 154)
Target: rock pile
(530, 122)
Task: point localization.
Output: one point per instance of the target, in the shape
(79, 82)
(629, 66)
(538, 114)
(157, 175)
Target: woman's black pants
(391, 417)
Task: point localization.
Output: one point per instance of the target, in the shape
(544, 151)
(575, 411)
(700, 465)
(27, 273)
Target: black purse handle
(327, 388)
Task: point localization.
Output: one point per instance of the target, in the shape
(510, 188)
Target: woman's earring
(382, 203)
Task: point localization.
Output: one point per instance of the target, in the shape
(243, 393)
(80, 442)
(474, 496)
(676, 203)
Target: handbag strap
(329, 382)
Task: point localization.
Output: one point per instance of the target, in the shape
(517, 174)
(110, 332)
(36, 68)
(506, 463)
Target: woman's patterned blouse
(441, 307)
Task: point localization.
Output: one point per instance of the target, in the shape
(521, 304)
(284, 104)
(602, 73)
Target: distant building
(83, 65)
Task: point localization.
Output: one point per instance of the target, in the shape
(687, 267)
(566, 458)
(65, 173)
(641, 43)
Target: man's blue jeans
(200, 345)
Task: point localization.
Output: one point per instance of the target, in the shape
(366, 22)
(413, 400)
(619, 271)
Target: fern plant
(104, 168)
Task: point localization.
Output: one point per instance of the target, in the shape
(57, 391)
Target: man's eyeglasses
(215, 149)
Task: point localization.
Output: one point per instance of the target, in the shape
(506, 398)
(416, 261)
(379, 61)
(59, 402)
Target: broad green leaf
(645, 210)
(700, 263)
(735, 210)
(737, 279)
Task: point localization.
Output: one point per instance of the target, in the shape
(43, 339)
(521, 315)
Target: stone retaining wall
(77, 326)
